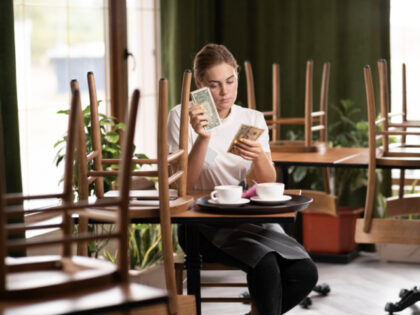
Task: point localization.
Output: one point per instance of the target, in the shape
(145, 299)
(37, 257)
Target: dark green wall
(348, 33)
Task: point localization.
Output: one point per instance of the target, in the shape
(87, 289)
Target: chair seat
(296, 146)
(43, 275)
(186, 305)
(103, 299)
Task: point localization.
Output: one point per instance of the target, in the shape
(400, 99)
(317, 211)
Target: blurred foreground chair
(68, 284)
(320, 117)
(396, 227)
(163, 208)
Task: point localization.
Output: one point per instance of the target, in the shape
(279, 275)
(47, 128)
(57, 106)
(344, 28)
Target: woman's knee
(309, 272)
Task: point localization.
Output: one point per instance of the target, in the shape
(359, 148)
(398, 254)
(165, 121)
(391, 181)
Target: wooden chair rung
(134, 161)
(225, 300)
(16, 198)
(26, 243)
(92, 155)
(174, 156)
(318, 128)
(317, 114)
(14, 228)
(115, 173)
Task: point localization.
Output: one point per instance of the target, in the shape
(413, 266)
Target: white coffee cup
(226, 194)
(270, 191)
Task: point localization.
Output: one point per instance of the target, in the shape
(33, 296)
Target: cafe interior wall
(347, 33)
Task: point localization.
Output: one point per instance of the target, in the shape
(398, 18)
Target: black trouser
(275, 284)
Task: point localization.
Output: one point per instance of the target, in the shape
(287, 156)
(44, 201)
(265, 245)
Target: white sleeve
(173, 130)
(265, 137)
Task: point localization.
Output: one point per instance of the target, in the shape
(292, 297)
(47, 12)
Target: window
(143, 68)
(60, 40)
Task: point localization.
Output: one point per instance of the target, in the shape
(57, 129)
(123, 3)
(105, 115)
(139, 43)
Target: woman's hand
(263, 168)
(250, 150)
(199, 119)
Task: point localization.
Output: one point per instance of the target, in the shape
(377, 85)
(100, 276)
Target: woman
(279, 271)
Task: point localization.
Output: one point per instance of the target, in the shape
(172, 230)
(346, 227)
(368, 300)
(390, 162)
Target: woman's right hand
(199, 119)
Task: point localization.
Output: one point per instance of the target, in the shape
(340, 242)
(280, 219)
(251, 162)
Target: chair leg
(408, 298)
(82, 248)
(253, 309)
(179, 278)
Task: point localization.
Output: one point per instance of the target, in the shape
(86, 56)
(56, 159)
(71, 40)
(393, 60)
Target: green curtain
(348, 33)
(9, 105)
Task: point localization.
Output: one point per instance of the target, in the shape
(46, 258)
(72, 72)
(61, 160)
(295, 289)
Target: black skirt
(249, 242)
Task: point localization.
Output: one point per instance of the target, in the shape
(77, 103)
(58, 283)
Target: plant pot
(324, 233)
(399, 252)
(153, 276)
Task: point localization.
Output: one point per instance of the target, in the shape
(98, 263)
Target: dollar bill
(203, 97)
(244, 132)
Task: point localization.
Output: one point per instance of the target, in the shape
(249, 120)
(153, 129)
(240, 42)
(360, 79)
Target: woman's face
(222, 80)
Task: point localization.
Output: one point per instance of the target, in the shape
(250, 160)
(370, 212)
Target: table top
(338, 157)
(331, 157)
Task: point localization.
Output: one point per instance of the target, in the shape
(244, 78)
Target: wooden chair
(320, 117)
(401, 148)
(164, 208)
(393, 228)
(37, 283)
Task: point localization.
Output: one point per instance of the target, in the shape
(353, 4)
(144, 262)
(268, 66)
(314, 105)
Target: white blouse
(220, 167)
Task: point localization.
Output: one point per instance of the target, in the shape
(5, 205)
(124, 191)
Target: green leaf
(119, 126)
(112, 136)
(299, 174)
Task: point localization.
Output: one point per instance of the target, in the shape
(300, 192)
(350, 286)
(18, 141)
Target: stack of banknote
(244, 132)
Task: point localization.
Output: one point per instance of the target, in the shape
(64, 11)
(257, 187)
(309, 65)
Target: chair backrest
(390, 229)
(12, 283)
(323, 202)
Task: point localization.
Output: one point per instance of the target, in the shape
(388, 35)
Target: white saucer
(271, 201)
(242, 201)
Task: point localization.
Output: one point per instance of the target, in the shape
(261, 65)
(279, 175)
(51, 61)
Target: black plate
(295, 204)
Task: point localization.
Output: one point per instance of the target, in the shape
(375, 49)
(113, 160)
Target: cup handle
(213, 195)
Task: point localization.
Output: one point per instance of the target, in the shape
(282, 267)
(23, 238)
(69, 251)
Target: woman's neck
(224, 113)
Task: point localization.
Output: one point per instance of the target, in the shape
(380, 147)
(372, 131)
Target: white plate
(271, 201)
(242, 201)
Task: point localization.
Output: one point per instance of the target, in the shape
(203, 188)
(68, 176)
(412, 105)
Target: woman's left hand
(250, 150)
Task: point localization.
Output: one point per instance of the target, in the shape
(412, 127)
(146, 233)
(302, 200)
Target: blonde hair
(211, 55)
